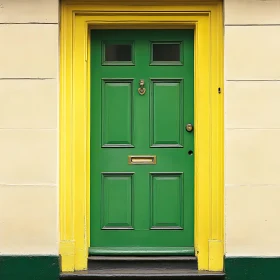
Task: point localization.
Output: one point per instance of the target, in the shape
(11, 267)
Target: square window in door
(117, 53)
(166, 53)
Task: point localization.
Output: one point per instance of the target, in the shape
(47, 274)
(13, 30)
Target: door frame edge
(77, 18)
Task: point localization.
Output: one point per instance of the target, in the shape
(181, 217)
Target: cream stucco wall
(252, 127)
(28, 127)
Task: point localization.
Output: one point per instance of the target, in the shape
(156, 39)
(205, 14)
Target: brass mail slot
(142, 159)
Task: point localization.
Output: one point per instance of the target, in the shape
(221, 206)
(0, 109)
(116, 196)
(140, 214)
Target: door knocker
(141, 90)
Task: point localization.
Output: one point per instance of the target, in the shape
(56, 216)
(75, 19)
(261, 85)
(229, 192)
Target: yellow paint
(216, 257)
(88, 146)
(76, 20)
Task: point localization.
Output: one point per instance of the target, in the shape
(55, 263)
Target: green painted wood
(252, 268)
(167, 113)
(186, 251)
(117, 201)
(117, 93)
(167, 187)
(142, 206)
(29, 267)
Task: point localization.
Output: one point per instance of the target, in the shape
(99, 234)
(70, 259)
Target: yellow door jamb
(77, 18)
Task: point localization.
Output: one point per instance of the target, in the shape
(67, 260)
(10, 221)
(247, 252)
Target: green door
(142, 162)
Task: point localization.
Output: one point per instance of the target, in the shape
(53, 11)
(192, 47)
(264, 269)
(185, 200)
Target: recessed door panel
(117, 113)
(167, 201)
(117, 200)
(167, 113)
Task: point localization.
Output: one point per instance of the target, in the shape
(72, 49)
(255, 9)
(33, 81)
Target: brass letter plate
(142, 159)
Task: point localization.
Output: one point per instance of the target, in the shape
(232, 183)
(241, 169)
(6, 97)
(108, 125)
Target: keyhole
(190, 152)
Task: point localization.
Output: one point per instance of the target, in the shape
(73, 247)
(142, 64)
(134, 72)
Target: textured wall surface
(28, 127)
(252, 127)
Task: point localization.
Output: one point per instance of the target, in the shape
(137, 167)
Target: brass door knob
(189, 127)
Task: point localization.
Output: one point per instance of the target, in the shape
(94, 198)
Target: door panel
(117, 200)
(167, 116)
(117, 124)
(167, 201)
(141, 207)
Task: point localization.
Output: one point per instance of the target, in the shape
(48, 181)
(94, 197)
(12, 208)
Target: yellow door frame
(77, 18)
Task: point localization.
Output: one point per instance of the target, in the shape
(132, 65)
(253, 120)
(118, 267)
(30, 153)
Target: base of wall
(29, 267)
(252, 268)
(47, 268)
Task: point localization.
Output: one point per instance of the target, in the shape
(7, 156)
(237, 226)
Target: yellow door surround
(77, 18)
